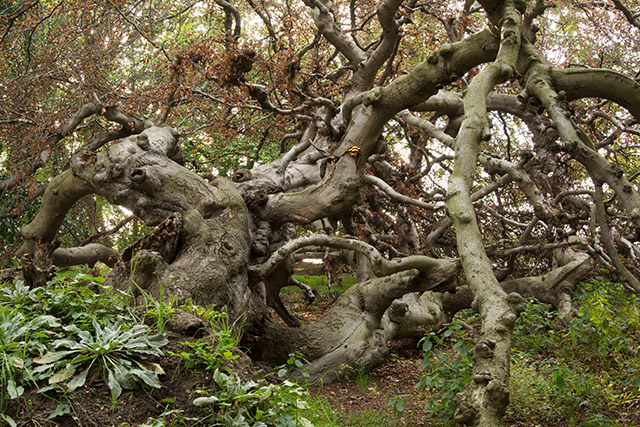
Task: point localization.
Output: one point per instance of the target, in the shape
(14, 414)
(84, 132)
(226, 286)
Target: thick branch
(332, 32)
(550, 288)
(580, 83)
(390, 36)
(88, 254)
(381, 266)
(483, 402)
(612, 251)
(337, 191)
(380, 104)
(540, 84)
(61, 193)
(444, 66)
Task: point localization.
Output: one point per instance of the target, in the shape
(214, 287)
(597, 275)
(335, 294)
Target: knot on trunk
(137, 175)
(210, 207)
(516, 302)
(397, 311)
(256, 200)
(241, 175)
(465, 409)
(483, 350)
(482, 377)
(498, 392)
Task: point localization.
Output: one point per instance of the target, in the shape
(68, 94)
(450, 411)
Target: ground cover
(73, 353)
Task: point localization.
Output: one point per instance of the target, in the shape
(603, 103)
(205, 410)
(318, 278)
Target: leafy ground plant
(445, 373)
(205, 353)
(18, 339)
(67, 330)
(214, 351)
(250, 403)
(296, 367)
(113, 352)
(591, 368)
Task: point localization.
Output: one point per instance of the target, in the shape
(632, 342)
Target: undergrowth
(55, 337)
(582, 372)
(586, 372)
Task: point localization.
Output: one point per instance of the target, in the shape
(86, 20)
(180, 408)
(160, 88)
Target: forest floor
(365, 399)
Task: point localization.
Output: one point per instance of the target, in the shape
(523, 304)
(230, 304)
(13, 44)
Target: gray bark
(218, 243)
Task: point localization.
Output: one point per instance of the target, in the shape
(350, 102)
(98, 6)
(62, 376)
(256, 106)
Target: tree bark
(484, 400)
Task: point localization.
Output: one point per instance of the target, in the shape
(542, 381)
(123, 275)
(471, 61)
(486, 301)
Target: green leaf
(229, 356)
(17, 362)
(114, 386)
(45, 318)
(78, 381)
(301, 404)
(63, 374)
(150, 366)
(42, 368)
(47, 388)
(558, 379)
(149, 378)
(14, 390)
(220, 378)
(304, 422)
(464, 350)
(52, 356)
(61, 409)
(202, 401)
(8, 420)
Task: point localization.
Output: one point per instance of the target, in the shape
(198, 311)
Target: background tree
(485, 151)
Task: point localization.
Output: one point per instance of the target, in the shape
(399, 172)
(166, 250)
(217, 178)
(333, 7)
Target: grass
(368, 418)
(319, 283)
(320, 413)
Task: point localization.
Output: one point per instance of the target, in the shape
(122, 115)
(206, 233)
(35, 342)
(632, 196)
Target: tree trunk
(201, 250)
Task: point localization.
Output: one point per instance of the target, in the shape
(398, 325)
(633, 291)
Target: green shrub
(20, 337)
(112, 352)
(446, 369)
(581, 371)
(239, 403)
(63, 331)
(296, 366)
(214, 351)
